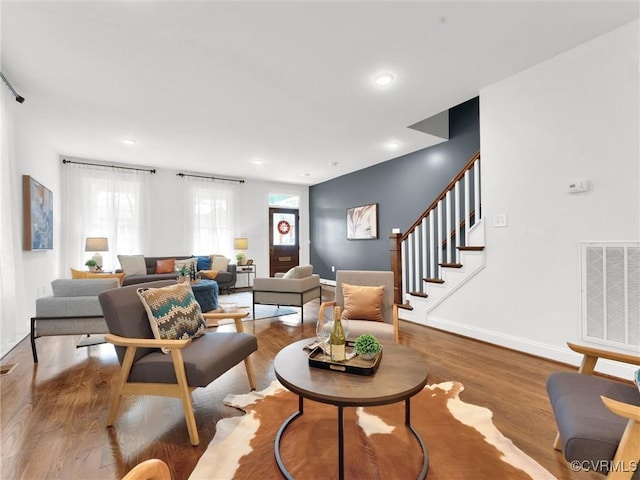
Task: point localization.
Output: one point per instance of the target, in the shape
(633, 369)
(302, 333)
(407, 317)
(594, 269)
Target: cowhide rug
(461, 439)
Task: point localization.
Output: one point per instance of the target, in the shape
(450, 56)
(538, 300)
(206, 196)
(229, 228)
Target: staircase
(443, 249)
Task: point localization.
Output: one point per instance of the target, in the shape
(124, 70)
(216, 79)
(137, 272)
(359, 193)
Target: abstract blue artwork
(38, 215)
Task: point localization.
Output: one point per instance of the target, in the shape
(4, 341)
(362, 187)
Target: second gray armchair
(294, 288)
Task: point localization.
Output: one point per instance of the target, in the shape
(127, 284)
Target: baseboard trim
(551, 352)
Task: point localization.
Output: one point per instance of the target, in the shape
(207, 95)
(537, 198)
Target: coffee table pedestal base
(295, 416)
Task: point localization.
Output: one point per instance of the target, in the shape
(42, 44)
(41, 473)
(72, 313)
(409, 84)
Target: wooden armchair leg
(627, 458)
(557, 443)
(116, 395)
(252, 379)
(185, 396)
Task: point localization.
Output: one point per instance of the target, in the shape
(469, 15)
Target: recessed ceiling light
(333, 164)
(306, 174)
(257, 162)
(383, 79)
(393, 145)
(128, 141)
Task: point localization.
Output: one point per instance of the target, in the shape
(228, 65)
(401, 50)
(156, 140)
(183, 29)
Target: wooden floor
(53, 414)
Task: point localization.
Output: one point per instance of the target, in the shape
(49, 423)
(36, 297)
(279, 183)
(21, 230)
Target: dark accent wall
(403, 188)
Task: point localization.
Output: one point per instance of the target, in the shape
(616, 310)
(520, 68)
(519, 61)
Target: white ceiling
(210, 87)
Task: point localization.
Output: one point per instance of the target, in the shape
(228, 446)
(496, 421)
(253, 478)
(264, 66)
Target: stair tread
(405, 306)
(419, 294)
(472, 248)
(433, 280)
(451, 265)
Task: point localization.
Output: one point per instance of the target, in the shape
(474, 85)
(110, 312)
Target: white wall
(34, 156)
(253, 217)
(573, 116)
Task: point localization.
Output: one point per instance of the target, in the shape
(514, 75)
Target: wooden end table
(402, 374)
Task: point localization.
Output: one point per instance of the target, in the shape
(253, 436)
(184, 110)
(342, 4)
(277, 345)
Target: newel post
(396, 267)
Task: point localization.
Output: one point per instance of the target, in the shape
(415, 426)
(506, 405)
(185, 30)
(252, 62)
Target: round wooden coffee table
(402, 374)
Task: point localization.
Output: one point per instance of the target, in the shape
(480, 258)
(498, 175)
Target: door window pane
(284, 231)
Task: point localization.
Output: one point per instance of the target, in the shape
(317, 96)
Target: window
(210, 216)
(284, 200)
(103, 202)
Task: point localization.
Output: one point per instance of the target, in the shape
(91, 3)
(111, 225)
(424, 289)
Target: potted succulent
(367, 346)
(92, 264)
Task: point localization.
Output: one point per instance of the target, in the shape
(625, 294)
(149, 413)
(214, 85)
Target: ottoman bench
(206, 293)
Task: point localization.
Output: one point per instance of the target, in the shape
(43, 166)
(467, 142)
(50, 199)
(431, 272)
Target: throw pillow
(132, 265)
(290, 273)
(119, 276)
(173, 312)
(166, 266)
(301, 271)
(204, 262)
(191, 265)
(362, 303)
(78, 274)
(219, 262)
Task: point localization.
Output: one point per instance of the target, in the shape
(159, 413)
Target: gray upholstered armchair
(598, 418)
(190, 363)
(293, 288)
(357, 305)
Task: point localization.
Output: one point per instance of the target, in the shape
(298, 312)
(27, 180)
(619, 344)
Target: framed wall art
(37, 215)
(362, 222)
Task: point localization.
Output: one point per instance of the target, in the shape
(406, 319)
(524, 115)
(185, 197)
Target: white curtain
(211, 210)
(104, 202)
(13, 310)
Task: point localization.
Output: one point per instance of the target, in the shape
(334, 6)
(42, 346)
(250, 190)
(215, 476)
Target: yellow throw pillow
(362, 303)
(78, 274)
(119, 276)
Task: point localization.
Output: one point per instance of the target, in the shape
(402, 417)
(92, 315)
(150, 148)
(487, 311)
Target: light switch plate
(500, 220)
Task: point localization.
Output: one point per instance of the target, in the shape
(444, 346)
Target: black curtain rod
(150, 170)
(19, 99)
(210, 178)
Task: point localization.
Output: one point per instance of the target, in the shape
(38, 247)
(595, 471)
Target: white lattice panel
(611, 294)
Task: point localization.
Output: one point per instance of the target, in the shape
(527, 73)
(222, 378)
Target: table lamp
(240, 244)
(97, 244)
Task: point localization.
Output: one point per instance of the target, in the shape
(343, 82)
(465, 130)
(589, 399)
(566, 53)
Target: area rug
(262, 311)
(462, 441)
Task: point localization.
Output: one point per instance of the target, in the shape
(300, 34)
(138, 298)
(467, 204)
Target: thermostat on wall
(579, 185)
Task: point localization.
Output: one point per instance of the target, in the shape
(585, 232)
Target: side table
(249, 270)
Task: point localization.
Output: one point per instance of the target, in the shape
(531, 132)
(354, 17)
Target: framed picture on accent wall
(37, 215)
(362, 222)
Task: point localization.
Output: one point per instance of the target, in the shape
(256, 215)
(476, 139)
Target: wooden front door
(284, 244)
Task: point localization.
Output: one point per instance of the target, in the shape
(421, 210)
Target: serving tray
(356, 365)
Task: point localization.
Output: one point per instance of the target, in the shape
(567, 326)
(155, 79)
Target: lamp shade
(241, 243)
(96, 244)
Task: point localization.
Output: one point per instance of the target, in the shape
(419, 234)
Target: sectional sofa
(225, 279)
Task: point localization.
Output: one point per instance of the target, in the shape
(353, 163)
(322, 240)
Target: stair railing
(436, 237)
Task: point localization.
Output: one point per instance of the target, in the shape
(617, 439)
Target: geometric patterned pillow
(173, 312)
